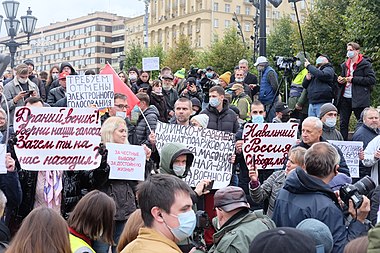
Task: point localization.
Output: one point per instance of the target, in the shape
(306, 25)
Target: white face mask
(179, 170)
(121, 115)
(55, 76)
(22, 80)
(330, 122)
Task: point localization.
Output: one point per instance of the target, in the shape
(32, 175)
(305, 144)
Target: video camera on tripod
(285, 63)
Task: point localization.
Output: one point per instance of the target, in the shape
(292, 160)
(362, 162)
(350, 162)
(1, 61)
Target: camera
(202, 223)
(356, 191)
(284, 63)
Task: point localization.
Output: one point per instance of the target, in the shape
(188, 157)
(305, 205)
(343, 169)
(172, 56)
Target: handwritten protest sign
(268, 143)
(86, 90)
(53, 138)
(212, 150)
(350, 150)
(3, 152)
(126, 161)
(150, 63)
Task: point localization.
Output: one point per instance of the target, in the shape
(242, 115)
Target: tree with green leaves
(283, 40)
(324, 28)
(226, 53)
(133, 56)
(181, 55)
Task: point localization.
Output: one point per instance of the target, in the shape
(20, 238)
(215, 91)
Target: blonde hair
(22, 69)
(298, 154)
(109, 127)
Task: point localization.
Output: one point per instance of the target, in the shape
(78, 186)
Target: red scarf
(348, 64)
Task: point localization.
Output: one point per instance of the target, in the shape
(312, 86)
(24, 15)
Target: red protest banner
(120, 87)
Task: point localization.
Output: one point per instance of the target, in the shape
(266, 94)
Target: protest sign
(126, 161)
(350, 150)
(3, 152)
(86, 90)
(268, 143)
(54, 138)
(150, 63)
(212, 150)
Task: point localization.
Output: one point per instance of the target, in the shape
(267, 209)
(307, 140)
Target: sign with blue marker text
(350, 150)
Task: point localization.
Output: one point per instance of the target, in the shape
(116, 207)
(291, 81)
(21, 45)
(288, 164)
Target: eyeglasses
(122, 106)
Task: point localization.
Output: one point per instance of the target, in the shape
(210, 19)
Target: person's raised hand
(253, 173)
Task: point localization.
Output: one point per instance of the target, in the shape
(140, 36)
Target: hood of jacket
(170, 152)
(299, 182)
(66, 64)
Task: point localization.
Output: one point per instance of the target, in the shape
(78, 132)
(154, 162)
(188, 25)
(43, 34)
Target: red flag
(120, 87)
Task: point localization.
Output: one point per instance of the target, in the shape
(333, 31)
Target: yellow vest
(78, 245)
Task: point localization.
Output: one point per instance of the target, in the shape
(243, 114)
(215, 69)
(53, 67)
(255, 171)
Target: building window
(247, 10)
(238, 9)
(247, 27)
(276, 14)
(216, 23)
(227, 23)
(227, 8)
(303, 5)
(216, 7)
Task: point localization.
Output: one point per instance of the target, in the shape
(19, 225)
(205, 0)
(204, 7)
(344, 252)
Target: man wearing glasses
(120, 110)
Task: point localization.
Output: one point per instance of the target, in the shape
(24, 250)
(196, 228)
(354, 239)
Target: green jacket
(238, 235)
(169, 152)
(374, 239)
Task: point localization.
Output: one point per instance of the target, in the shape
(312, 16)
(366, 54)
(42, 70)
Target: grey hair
(321, 159)
(369, 109)
(317, 122)
(243, 61)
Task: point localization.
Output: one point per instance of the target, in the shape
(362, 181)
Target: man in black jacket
(221, 117)
(249, 78)
(312, 129)
(356, 83)
(319, 83)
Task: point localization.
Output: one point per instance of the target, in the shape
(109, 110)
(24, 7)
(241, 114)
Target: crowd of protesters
(295, 209)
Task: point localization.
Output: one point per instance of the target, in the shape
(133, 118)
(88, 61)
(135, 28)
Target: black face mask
(285, 118)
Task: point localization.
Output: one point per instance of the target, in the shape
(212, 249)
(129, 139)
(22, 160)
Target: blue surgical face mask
(350, 54)
(319, 60)
(214, 102)
(187, 222)
(209, 74)
(122, 115)
(257, 119)
(179, 170)
(239, 80)
(330, 122)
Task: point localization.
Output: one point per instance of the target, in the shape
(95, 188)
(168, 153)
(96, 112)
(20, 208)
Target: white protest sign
(350, 150)
(212, 150)
(54, 138)
(86, 90)
(126, 161)
(268, 143)
(150, 63)
(3, 152)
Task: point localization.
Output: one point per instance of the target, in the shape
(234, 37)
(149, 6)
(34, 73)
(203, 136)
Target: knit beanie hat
(319, 231)
(282, 240)
(226, 77)
(328, 107)
(180, 73)
(202, 119)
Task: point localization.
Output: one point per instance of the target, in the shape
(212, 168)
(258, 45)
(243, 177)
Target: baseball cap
(319, 231)
(324, 55)
(236, 86)
(63, 75)
(282, 240)
(191, 80)
(261, 59)
(230, 198)
(282, 107)
(209, 68)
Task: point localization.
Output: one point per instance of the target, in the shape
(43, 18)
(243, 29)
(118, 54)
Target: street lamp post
(12, 25)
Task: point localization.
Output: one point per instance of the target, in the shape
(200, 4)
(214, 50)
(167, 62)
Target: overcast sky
(50, 11)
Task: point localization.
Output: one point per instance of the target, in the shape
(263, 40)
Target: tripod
(284, 81)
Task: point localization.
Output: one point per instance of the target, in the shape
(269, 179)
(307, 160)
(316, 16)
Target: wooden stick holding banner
(147, 123)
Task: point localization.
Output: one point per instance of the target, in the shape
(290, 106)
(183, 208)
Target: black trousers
(345, 110)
